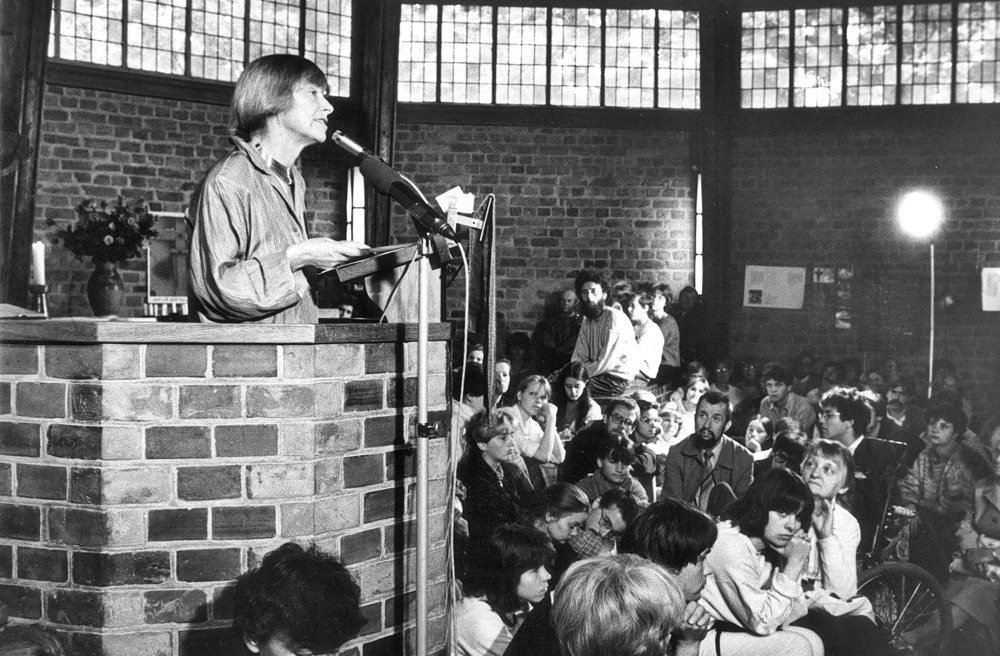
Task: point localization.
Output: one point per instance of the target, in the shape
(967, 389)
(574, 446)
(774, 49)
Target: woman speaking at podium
(250, 243)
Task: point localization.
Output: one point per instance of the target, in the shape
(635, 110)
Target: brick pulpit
(144, 466)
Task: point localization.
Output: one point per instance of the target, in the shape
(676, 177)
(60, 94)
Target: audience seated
(298, 601)
(832, 376)
(582, 451)
(559, 511)
(843, 418)
(689, 397)
(648, 337)
(788, 452)
(756, 565)
(939, 486)
(804, 373)
(904, 421)
(614, 461)
(605, 523)
(974, 582)
(576, 409)
(609, 515)
(472, 387)
(748, 381)
(535, 431)
(678, 537)
(707, 459)
(606, 344)
(501, 380)
(651, 447)
(554, 337)
(759, 436)
(618, 606)
(670, 363)
(509, 574)
(692, 323)
(494, 485)
(781, 401)
(721, 381)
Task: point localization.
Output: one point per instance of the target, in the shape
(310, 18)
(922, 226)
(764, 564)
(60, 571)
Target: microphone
(390, 182)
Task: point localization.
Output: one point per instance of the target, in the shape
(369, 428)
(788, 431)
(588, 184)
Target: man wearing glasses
(584, 449)
(606, 522)
(844, 417)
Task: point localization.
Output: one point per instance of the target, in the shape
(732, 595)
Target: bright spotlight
(920, 213)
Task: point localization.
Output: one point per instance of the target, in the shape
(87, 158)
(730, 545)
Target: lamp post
(920, 214)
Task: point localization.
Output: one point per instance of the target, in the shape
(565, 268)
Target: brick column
(138, 479)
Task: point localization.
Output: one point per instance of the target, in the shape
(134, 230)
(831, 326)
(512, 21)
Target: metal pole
(423, 435)
(930, 357)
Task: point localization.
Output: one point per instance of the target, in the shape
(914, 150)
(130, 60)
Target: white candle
(38, 263)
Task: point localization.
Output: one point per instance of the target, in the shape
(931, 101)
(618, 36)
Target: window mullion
(548, 56)
(440, 48)
(843, 55)
(899, 54)
(246, 33)
(604, 47)
(954, 51)
(496, 36)
(791, 57)
(125, 34)
(656, 58)
(188, 10)
(302, 28)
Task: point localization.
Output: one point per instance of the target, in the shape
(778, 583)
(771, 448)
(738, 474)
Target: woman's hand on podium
(323, 253)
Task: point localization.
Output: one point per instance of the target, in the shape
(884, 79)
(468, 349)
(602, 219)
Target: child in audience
(508, 576)
(651, 447)
(298, 601)
(613, 463)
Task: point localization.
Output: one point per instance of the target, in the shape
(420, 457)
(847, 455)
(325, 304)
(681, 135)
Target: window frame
(133, 81)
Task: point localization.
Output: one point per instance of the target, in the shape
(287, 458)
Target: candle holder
(39, 299)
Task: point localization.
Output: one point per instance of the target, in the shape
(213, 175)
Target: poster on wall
(774, 287)
(991, 290)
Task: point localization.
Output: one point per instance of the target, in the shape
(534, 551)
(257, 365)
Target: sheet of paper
(774, 287)
(991, 289)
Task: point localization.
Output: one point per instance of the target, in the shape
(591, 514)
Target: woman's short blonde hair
(623, 605)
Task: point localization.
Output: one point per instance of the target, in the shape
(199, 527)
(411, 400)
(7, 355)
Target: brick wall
(566, 198)
(827, 198)
(138, 480)
(100, 145)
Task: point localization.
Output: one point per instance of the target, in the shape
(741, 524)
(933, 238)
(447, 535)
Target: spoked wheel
(910, 604)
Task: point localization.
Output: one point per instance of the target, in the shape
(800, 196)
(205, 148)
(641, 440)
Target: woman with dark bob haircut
(509, 574)
(757, 562)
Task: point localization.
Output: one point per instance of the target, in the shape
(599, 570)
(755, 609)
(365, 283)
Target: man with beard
(904, 421)
(707, 462)
(606, 344)
(554, 337)
(782, 402)
(585, 448)
(844, 418)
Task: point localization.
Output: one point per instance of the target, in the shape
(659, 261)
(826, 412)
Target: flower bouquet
(107, 234)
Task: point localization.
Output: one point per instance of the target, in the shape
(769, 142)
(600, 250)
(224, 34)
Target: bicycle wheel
(906, 598)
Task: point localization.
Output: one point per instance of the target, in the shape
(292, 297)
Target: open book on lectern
(381, 258)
